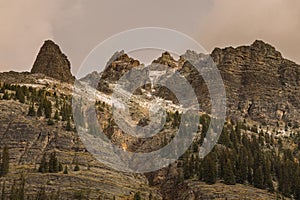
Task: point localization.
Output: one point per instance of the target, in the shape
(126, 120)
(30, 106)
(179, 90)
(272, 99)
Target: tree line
(40, 103)
(247, 156)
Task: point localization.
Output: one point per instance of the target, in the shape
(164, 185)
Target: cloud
(25, 25)
(102, 19)
(78, 25)
(241, 22)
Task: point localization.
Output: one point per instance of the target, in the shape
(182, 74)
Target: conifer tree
(209, 169)
(48, 108)
(66, 170)
(53, 163)
(20, 95)
(6, 96)
(66, 111)
(186, 172)
(267, 176)
(68, 126)
(60, 167)
(2, 89)
(258, 179)
(297, 185)
(229, 177)
(43, 165)
(31, 111)
(40, 110)
(76, 168)
(250, 175)
(50, 122)
(56, 115)
(242, 166)
(5, 161)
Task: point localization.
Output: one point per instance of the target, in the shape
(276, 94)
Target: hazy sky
(78, 26)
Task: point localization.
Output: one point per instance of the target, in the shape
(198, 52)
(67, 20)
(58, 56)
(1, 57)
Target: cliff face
(260, 83)
(53, 63)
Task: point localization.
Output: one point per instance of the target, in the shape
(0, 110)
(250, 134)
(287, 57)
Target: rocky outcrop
(53, 63)
(167, 60)
(118, 65)
(259, 83)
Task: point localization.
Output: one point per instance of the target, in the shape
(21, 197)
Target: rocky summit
(117, 66)
(52, 62)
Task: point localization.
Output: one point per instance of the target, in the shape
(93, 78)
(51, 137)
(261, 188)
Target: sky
(77, 26)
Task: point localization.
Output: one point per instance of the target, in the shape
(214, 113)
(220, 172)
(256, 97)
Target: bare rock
(53, 63)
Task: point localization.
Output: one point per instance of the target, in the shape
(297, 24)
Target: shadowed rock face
(53, 63)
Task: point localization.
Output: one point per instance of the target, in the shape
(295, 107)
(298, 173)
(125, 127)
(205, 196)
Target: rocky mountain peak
(53, 63)
(117, 66)
(166, 59)
(257, 51)
(265, 49)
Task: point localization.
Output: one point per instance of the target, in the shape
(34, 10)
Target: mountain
(257, 155)
(53, 63)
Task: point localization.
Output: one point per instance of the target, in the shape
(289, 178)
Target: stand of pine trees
(40, 103)
(256, 159)
(52, 166)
